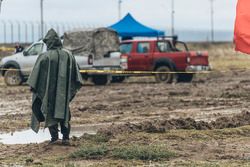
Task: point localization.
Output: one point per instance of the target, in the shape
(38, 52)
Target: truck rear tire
(117, 79)
(100, 79)
(12, 77)
(166, 77)
(185, 77)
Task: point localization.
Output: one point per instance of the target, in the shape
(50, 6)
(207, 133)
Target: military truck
(101, 47)
(96, 49)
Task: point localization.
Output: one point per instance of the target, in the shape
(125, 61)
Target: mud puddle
(29, 136)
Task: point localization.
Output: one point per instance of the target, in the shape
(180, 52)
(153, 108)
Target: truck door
(140, 58)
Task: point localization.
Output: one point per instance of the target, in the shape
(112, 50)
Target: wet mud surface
(187, 117)
(207, 98)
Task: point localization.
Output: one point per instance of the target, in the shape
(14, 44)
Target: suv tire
(100, 79)
(164, 78)
(117, 79)
(12, 77)
(185, 77)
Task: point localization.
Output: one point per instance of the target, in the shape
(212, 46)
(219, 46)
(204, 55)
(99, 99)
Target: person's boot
(65, 132)
(53, 133)
(65, 142)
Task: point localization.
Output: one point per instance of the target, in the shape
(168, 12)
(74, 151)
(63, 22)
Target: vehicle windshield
(35, 49)
(126, 48)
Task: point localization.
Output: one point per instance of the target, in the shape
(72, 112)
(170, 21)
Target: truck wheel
(185, 77)
(117, 79)
(85, 77)
(13, 77)
(164, 78)
(100, 79)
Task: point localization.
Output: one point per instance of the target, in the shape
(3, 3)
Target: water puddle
(29, 136)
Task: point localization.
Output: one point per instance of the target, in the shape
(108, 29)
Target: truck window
(163, 46)
(181, 46)
(36, 49)
(126, 48)
(143, 47)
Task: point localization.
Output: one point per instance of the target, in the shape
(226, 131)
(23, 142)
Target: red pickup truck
(163, 55)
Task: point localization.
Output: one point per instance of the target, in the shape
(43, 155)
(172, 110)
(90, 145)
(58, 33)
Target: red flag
(242, 27)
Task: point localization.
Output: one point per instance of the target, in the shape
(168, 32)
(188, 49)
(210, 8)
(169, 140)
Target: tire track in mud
(206, 99)
(161, 126)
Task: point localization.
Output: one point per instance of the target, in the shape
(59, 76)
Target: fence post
(11, 31)
(49, 25)
(32, 31)
(18, 30)
(45, 27)
(57, 28)
(4, 31)
(63, 27)
(39, 29)
(26, 31)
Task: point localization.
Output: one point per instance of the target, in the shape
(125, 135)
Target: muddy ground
(203, 123)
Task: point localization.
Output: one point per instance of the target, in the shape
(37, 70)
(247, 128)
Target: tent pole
(119, 9)
(172, 18)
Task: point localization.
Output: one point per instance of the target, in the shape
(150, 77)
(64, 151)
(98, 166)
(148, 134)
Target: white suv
(16, 68)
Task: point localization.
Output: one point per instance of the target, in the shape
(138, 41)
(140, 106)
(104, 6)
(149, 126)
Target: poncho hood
(52, 40)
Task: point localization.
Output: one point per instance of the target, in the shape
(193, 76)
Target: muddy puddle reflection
(29, 136)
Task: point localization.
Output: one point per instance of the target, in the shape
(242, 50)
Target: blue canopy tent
(128, 27)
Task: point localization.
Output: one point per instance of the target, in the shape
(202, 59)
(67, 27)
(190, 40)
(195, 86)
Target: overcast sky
(190, 14)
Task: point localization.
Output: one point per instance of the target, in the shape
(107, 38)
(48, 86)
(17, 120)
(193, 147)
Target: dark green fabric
(55, 80)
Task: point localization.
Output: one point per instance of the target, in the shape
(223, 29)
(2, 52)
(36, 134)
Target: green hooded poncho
(54, 81)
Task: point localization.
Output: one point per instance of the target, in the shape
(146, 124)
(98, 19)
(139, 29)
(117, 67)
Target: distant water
(203, 35)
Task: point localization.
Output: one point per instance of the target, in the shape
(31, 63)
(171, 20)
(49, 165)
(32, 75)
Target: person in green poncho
(54, 81)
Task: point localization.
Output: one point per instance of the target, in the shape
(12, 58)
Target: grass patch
(90, 152)
(71, 165)
(98, 138)
(138, 152)
(216, 163)
(131, 152)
